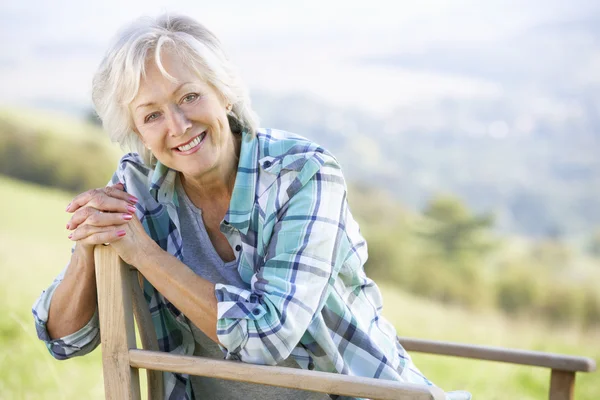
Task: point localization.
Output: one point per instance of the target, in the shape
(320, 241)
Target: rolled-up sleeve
(76, 344)
(263, 325)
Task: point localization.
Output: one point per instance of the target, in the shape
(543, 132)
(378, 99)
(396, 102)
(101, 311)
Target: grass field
(34, 247)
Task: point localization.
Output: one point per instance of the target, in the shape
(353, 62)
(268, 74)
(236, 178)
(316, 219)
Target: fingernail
(71, 236)
(67, 209)
(121, 233)
(133, 199)
(127, 217)
(131, 209)
(67, 225)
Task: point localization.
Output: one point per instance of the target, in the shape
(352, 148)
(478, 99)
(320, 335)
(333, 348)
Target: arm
(191, 294)
(304, 253)
(74, 300)
(65, 314)
(80, 333)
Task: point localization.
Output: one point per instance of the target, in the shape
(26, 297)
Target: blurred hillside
(539, 174)
(54, 150)
(511, 123)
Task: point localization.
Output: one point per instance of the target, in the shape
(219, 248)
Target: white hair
(117, 80)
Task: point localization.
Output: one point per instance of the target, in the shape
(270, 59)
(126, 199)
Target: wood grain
(513, 356)
(147, 333)
(562, 385)
(113, 281)
(285, 377)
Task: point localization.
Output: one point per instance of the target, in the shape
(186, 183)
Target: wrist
(145, 252)
(84, 251)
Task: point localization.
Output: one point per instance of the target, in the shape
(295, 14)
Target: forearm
(191, 294)
(74, 301)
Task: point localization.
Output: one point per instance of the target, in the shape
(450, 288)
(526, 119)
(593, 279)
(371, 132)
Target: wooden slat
(147, 334)
(285, 377)
(562, 385)
(524, 357)
(116, 326)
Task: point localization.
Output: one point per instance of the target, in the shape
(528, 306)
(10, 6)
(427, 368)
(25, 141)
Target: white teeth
(191, 144)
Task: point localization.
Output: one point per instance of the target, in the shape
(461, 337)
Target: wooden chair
(119, 293)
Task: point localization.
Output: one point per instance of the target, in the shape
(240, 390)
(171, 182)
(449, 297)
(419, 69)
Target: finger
(95, 217)
(118, 192)
(98, 196)
(100, 200)
(92, 235)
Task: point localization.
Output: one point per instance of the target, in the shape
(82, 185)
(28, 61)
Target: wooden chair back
(119, 293)
(120, 297)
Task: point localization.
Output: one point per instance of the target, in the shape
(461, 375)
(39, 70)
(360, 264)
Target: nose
(178, 123)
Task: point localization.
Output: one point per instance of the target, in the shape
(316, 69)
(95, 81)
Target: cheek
(153, 143)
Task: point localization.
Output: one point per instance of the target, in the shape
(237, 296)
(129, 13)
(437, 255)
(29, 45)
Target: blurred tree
(457, 243)
(454, 230)
(519, 286)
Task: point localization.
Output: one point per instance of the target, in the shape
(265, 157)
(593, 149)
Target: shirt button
(311, 366)
(267, 164)
(256, 311)
(225, 222)
(238, 247)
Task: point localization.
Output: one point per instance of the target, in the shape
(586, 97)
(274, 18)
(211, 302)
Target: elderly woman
(243, 235)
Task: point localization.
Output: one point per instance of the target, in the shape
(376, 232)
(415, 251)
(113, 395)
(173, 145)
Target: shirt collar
(246, 180)
(162, 184)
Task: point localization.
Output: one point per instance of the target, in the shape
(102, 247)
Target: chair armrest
(513, 356)
(293, 378)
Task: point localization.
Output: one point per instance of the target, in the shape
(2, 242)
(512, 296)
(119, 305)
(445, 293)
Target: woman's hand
(101, 215)
(134, 242)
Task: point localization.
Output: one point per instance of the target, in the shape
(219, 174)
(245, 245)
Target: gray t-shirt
(200, 255)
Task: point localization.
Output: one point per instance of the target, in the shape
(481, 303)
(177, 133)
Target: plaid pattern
(302, 256)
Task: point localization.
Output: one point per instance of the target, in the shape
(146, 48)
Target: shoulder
(281, 151)
(292, 162)
(132, 170)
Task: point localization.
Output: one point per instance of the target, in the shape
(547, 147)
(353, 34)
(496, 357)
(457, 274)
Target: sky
(325, 49)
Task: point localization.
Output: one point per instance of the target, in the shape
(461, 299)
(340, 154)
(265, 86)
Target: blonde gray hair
(117, 80)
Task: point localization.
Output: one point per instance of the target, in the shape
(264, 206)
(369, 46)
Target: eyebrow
(152, 103)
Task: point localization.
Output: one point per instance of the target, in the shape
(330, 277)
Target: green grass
(34, 247)
(419, 318)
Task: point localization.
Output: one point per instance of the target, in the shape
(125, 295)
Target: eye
(151, 117)
(188, 98)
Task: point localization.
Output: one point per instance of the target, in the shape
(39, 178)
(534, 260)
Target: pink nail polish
(67, 225)
(67, 209)
(131, 209)
(127, 217)
(71, 236)
(121, 233)
(133, 199)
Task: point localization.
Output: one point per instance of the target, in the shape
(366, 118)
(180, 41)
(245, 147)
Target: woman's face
(184, 123)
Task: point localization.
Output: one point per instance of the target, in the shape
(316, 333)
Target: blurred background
(469, 133)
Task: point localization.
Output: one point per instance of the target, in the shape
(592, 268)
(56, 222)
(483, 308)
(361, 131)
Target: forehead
(165, 77)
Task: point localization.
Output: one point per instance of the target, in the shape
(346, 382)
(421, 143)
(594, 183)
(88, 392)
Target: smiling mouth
(192, 143)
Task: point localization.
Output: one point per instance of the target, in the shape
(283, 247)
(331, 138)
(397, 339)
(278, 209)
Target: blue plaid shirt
(301, 254)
